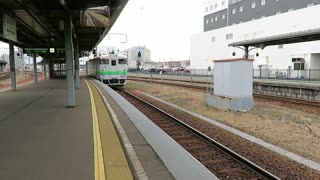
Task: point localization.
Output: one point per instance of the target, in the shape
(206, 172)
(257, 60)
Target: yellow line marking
(99, 173)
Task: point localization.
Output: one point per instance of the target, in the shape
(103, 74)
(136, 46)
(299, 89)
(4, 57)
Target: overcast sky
(164, 26)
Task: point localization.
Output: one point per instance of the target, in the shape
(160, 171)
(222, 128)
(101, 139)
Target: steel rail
(214, 143)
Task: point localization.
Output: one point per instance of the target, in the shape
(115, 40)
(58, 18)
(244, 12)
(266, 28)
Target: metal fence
(189, 75)
(288, 74)
(204, 74)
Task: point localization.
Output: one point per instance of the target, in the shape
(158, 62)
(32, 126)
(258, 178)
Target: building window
(278, 12)
(253, 19)
(213, 39)
(240, 8)
(298, 66)
(216, 18)
(223, 16)
(263, 2)
(212, 19)
(216, 6)
(211, 7)
(223, 3)
(289, 10)
(298, 60)
(206, 9)
(309, 5)
(280, 46)
(207, 21)
(253, 5)
(233, 11)
(229, 36)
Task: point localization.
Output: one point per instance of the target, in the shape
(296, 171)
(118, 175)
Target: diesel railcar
(111, 69)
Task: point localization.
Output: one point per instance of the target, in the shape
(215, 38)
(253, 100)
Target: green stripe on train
(111, 72)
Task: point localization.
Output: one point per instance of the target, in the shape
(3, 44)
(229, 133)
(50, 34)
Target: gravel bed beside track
(276, 164)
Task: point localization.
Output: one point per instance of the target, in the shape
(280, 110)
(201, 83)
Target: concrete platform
(179, 162)
(150, 161)
(42, 139)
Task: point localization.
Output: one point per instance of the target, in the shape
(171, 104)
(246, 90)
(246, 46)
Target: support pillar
(35, 75)
(69, 61)
(45, 70)
(246, 52)
(50, 67)
(77, 80)
(12, 67)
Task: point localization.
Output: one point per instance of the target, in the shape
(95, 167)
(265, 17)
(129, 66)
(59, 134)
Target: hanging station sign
(9, 28)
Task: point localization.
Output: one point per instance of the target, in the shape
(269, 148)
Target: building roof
(287, 38)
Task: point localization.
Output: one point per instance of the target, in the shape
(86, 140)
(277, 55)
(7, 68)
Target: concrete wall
(215, 20)
(212, 6)
(270, 8)
(302, 92)
(315, 64)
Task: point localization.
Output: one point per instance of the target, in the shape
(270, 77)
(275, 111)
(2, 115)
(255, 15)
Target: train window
(107, 61)
(113, 62)
(122, 61)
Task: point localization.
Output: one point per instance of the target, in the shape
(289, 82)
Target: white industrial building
(136, 53)
(231, 21)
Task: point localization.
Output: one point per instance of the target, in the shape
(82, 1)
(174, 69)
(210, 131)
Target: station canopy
(288, 38)
(40, 23)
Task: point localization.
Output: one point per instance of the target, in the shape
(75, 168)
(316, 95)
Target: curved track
(220, 160)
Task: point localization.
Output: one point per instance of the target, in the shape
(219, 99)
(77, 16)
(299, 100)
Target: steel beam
(246, 52)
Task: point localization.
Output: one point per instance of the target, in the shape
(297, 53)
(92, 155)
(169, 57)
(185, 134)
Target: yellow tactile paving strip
(114, 161)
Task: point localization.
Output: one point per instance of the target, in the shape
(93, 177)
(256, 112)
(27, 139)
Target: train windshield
(122, 61)
(113, 63)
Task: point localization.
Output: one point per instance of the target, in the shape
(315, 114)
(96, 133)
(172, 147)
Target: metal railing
(287, 74)
(204, 74)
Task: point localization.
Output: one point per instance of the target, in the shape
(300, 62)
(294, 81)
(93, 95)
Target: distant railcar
(111, 69)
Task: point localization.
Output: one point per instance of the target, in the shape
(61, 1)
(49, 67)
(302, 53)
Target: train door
(104, 68)
(122, 68)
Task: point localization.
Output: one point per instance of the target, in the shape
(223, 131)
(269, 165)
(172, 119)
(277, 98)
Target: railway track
(220, 160)
(4, 75)
(201, 86)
